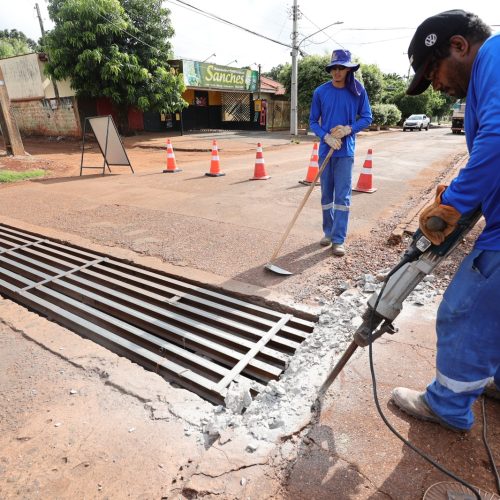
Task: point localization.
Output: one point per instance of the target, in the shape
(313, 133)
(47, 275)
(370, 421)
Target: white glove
(333, 142)
(341, 131)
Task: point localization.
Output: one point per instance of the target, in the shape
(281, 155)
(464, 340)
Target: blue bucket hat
(341, 58)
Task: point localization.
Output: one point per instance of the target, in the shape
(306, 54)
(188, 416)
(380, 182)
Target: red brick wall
(135, 119)
(50, 117)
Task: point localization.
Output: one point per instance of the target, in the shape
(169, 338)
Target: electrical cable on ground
(487, 445)
(381, 413)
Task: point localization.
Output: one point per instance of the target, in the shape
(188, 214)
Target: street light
(211, 55)
(231, 62)
(294, 53)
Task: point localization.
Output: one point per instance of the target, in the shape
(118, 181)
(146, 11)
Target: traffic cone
(365, 177)
(171, 165)
(259, 173)
(313, 169)
(214, 162)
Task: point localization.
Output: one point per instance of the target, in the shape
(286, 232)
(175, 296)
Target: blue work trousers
(336, 190)
(468, 339)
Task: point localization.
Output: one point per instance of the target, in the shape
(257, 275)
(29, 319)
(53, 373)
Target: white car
(416, 122)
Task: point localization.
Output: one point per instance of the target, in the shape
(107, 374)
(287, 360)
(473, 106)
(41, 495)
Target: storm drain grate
(199, 338)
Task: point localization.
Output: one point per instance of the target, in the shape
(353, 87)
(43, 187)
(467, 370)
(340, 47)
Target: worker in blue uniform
(340, 109)
(455, 52)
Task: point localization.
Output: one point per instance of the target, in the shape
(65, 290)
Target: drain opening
(197, 337)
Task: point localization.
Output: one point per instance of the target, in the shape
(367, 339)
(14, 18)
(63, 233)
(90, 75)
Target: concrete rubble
(284, 407)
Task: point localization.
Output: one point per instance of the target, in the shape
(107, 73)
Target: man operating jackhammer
(456, 54)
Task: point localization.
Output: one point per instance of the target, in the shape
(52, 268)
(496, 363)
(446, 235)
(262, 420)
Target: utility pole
(39, 19)
(293, 85)
(10, 132)
(259, 81)
(42, 29)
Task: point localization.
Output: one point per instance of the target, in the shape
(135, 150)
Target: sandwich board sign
(109, 142)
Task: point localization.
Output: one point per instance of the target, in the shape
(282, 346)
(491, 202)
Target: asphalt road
(229, 226)
(75, 421)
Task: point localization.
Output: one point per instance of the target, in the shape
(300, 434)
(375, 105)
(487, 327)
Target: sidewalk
(235, 141)
(351, 454)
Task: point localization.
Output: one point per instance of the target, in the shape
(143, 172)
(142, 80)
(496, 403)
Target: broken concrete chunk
(252, 446)
(238, 397)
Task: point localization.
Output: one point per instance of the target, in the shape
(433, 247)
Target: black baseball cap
(433, 33)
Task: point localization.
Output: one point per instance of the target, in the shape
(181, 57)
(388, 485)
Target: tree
(117, 50)
(393, 84)
(15, 43)
(273, 74)
(311, 74)
(439, 103)
(373, 82)
(430, 102)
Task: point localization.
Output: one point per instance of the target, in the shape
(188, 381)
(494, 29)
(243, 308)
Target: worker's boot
(338, 249)
(491, 390)
(326, 241)
(413, 403)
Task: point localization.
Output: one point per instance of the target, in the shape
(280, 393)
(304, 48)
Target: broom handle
(301, 206)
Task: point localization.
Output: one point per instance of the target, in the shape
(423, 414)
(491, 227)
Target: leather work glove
(341, 131)
(333, 142)
(446, 212)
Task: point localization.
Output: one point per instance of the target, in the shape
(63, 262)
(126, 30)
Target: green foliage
(386, 91)
(410, 105)
(393, 114)
(273, 74)
(393, 85)
(373, 82)
(117, 49)
(311, 74)
(430, 102)
(379, 113)
(15, 43)
(439, 103)
(13, 176)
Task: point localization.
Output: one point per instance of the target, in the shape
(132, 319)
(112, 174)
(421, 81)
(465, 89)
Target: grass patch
(13, 176)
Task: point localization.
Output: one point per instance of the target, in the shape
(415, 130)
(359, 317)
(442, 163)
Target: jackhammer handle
(436, 224)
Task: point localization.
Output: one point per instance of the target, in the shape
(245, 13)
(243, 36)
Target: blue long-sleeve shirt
(331, 107)
(478, 183)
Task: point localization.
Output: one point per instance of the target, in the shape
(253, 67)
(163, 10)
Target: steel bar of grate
(201, 338)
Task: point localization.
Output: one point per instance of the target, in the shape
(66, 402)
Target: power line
(225, 21)
(377, 29)
(320, 43)
(111, 21)
(379, 41)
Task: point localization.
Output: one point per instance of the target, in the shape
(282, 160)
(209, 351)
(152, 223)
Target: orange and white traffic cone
(313, 169)
(259, 173)
(215, 162)
(171, 164)
(365, 177)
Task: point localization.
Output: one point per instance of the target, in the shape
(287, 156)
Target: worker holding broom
(340, 109)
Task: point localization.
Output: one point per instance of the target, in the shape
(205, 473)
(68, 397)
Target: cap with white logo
(433, 33)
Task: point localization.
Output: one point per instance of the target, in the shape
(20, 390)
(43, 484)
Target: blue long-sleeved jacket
(331, 107)
(478, 183)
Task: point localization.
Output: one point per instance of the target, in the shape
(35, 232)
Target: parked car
(416, 122)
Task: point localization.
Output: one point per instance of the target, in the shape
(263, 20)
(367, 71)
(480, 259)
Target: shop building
(218, 97)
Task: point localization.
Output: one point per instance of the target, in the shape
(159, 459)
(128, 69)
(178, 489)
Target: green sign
(213, 76)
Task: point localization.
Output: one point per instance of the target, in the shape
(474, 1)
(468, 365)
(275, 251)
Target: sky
(376, 32)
